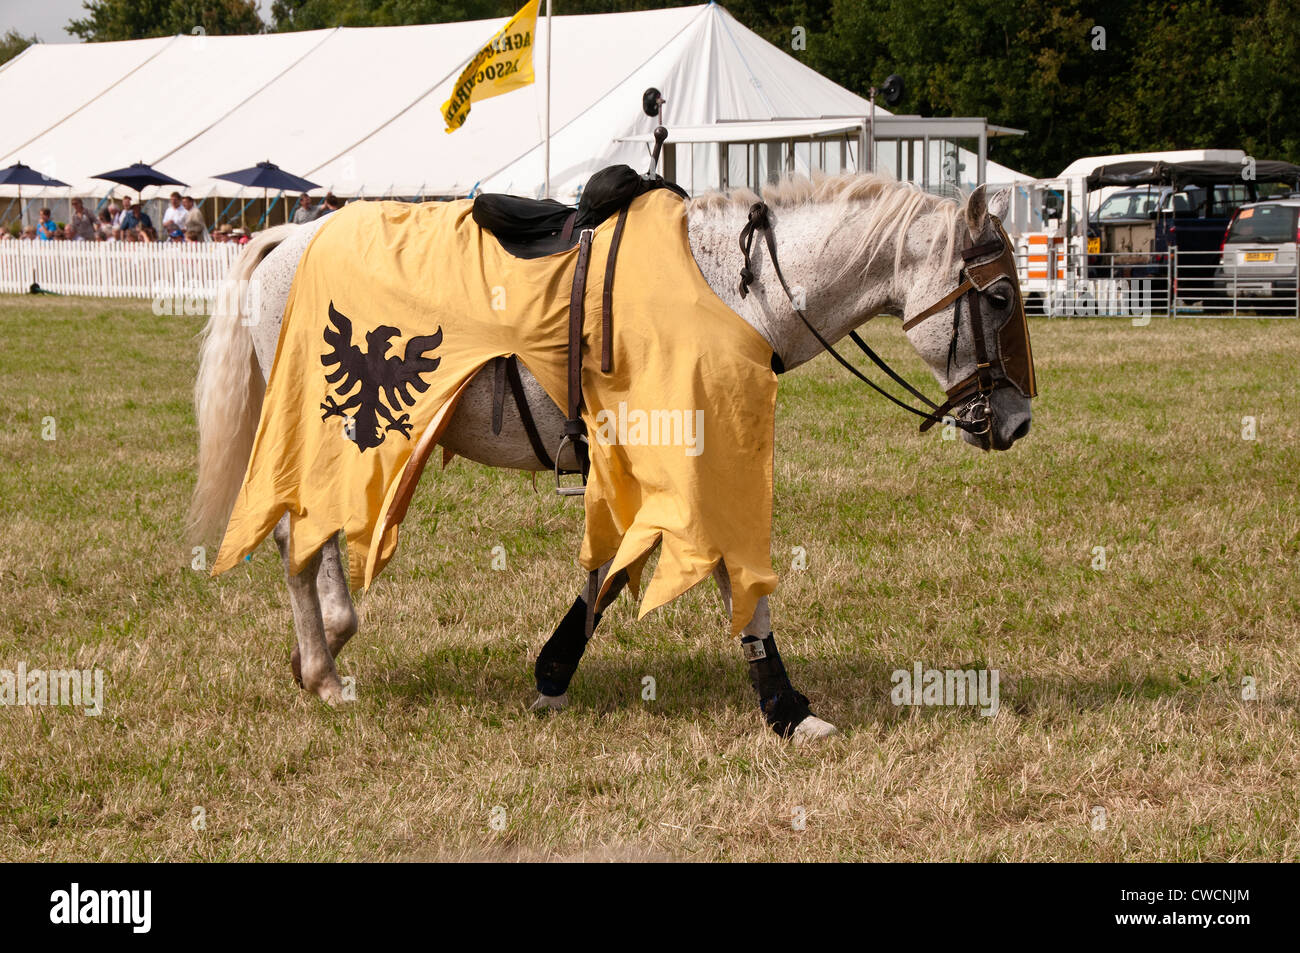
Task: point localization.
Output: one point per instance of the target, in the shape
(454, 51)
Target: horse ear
(999, 203)
(976, 212)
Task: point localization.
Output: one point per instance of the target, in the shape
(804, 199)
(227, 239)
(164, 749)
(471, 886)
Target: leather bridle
(967, 404)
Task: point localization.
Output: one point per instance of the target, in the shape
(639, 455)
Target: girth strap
(607, 298)
(526, 413)
(498, 394)
(575, 431)
(506, 373)
(577, 316)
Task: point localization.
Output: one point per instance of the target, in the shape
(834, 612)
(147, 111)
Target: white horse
(855, 246)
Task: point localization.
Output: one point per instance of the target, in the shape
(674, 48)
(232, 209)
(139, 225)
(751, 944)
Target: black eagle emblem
(385, 381)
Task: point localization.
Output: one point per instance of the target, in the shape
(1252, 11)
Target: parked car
(1258, 256)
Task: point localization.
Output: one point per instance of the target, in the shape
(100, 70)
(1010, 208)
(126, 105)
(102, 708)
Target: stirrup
(560, 488)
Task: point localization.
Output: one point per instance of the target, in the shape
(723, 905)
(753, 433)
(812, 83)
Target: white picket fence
(115, 269)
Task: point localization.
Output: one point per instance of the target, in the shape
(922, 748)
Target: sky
(46, 18)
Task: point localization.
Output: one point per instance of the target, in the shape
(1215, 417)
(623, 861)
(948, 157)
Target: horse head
(964, 315)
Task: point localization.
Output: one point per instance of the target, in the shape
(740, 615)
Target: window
(1127, 205)
(1270, 224)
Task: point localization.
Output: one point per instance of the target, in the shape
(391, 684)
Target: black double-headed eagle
(385, 381)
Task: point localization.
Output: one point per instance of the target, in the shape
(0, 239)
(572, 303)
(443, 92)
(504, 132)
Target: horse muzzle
(1000, 418)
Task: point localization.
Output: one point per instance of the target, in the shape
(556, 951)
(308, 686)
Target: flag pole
(547, 187)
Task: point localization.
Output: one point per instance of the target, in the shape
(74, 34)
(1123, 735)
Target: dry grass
(1119, 688)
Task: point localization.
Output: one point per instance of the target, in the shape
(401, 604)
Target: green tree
(321, 14)
(1206, 75)
(136, 19)
(13, 43)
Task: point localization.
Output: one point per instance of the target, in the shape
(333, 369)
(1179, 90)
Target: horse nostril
(1020, 431)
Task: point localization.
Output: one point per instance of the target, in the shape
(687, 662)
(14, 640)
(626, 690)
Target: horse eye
(999, 301)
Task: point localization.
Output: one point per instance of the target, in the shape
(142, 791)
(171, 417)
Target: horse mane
(883, 208)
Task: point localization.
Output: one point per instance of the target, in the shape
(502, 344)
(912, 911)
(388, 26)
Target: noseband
(969, 398)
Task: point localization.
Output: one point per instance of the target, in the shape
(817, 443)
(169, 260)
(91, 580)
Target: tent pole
(871, 133)
(546, 194)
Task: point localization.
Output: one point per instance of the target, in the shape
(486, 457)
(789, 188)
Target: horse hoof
(550, 702)
(813, 729)
(331, 693)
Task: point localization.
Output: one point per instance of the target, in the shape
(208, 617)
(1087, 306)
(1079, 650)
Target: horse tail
(228, 391)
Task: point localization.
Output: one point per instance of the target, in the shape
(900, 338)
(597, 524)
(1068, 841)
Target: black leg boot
(782, 706)
(562, 652)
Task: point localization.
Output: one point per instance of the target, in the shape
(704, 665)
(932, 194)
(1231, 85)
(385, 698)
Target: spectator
(124, 220)
(82, 226)
(194, 231)
(174, 218)
(29, 233)
(332, 203)
(142, 219)
(104, 227)
(69, 234)
(46, 227)
(194, 218)
(148, 234)
(304, 213)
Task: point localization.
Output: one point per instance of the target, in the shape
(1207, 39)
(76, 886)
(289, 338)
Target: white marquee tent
(358, 110)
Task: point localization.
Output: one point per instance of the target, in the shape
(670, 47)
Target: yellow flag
(504, 63)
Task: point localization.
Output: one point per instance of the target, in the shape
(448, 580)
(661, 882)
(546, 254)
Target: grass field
(1121, 688)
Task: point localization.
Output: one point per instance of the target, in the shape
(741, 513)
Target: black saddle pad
(614, 187)
(516, 219)
(531, 228)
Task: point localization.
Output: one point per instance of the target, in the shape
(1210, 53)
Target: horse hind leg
(316, 670)
(337, 612)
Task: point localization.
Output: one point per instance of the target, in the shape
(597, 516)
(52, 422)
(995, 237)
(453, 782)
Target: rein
(966, 394)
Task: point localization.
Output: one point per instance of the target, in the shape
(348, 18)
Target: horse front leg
(558, 660)
(784, 709)
(316, 664)
(337, 612)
